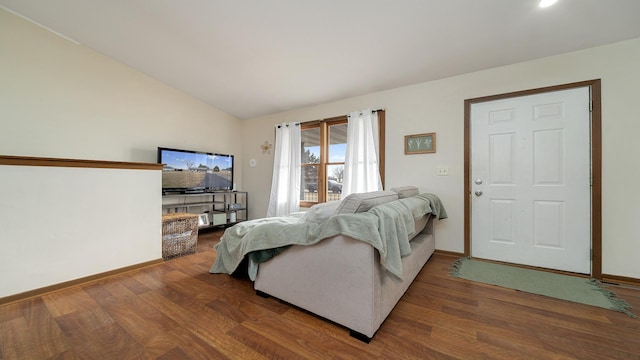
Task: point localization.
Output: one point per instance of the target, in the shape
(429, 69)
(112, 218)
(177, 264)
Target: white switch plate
(442, 170)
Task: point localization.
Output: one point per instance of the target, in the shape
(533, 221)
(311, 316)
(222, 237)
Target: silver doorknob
(478, 181)
(478, 193)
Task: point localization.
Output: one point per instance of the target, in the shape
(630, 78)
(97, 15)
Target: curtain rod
(287, 125)
(336, 117)
(371, 111)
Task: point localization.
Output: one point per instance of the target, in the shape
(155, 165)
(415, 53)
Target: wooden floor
(177, 310)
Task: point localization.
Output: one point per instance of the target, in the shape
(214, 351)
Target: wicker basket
(179, 234)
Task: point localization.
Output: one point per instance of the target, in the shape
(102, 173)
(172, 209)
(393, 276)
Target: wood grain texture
(177, 310)
(81, 163)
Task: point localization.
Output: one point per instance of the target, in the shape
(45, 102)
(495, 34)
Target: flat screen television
(195, 171)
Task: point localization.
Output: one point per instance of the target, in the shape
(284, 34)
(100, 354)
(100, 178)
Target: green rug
(571, 288)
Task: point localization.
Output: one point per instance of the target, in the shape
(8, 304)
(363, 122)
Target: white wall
(58, 99)
(59, 224)
(437, 106)
(62, 100)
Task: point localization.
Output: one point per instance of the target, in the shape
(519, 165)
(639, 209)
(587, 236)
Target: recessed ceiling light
(546, 3)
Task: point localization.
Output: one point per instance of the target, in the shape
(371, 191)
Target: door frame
(596, 163)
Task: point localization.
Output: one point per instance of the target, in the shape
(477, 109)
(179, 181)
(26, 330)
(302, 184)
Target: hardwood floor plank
(139, 319)
(191, 287)
(174, 354)
(18, 342)
(235, 308)
(541, 320)
(578, 349)
(152, 277)
(189, 313)
(193, 346)
(44, 328)
(306, 342)
(14, 310)
(203, 322)
(68, 300)
(529, 345)
(410, 335)
(460, 289)
(263, 345)
(110, 342)
(178, 310)
(82, 325)
(270, 303)
(133, 284)
(467, 328)
(473, 348)
(14, 338)
(160, 343)
(456, 330)
(337, 332)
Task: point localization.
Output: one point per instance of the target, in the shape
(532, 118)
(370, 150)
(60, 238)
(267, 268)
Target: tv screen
(186, 170)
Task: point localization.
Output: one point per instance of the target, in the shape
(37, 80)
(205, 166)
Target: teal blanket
(386, 227)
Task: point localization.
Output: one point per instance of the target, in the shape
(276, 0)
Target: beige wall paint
(59, 224)
(437, 106)
(58, 99)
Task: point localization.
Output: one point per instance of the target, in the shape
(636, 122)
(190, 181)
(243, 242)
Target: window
(310, 160)
(323, 152)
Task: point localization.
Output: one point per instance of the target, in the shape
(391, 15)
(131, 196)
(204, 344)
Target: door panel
(530, 169)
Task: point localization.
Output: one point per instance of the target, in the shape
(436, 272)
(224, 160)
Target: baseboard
(67, 284)
(620, 280)
(448, 253)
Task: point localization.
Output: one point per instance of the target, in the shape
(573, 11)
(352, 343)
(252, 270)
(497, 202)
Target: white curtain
(285, 185)
(361, 168)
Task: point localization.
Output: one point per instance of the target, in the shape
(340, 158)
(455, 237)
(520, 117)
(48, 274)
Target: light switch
(442, 170)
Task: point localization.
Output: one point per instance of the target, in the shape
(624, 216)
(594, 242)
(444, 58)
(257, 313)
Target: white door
(530, 180)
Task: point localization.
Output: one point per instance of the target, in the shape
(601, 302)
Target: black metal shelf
(218, 203)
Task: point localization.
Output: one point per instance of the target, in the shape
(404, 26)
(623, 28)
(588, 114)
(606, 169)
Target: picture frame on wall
(420, 143)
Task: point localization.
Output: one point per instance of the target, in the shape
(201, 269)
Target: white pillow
(361, 202)
(320, 212)
(406, 191)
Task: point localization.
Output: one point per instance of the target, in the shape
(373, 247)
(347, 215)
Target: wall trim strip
(77, 163)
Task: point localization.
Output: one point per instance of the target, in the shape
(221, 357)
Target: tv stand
(223, 208)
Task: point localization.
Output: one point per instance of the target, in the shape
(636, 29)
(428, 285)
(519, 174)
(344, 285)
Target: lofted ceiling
(257, 57)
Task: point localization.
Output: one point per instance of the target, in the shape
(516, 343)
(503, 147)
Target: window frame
(324, 126)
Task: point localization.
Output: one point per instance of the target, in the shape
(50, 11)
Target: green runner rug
(571, 288)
